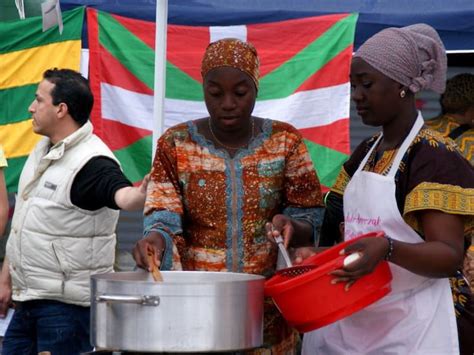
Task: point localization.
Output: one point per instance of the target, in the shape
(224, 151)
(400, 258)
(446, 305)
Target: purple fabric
(413, 56)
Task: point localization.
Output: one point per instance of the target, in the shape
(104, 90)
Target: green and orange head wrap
(232, 52)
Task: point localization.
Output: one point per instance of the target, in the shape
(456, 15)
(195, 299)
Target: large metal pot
(190, 311)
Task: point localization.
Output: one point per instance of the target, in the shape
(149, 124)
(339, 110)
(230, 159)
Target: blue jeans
(44, 325)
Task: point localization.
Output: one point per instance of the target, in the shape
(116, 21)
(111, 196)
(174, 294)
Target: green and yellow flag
(25, 53)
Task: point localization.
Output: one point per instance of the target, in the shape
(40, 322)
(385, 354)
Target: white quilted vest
(54, 246)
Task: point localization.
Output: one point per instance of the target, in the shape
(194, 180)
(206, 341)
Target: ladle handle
(284, 252)
(155, 270)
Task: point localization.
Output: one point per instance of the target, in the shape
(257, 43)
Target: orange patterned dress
(212, 208)
(445, 124)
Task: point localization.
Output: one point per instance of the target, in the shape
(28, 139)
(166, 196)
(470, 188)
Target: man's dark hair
(72, 89)
(459, 94)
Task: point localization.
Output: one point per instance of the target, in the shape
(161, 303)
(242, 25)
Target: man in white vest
(63, 229)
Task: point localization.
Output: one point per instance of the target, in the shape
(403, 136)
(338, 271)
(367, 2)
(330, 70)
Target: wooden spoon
(155, 270)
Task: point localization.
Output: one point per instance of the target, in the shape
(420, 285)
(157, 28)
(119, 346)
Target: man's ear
(62, 109)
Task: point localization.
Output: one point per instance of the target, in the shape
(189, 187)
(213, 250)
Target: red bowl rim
(279, 283)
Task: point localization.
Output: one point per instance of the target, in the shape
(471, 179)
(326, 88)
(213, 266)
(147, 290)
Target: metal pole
(160, 71)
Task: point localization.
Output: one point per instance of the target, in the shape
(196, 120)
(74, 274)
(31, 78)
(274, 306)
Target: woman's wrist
(389, 253)
(158, 240)
(302, 233)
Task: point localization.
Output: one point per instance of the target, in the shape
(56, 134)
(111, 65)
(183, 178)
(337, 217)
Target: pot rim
(144, 278)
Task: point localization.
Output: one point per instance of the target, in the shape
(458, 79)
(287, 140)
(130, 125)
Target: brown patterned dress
(424, 180)
(212, 208)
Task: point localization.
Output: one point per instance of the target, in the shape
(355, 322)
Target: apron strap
(364, 161)
(401, 151)
(406, 144)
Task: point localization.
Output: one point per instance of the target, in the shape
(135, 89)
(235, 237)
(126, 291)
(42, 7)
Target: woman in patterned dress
(457, 122)
(457, 117)
(218, 182)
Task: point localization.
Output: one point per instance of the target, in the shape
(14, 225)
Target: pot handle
(143, 300)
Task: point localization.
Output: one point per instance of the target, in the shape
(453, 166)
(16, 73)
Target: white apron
(417, 317)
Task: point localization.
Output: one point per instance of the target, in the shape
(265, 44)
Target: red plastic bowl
(309, 301)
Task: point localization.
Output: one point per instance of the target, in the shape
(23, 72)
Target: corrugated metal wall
(129, 231)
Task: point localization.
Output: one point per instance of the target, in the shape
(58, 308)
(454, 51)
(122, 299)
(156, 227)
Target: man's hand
(144, 185)
(5, 289)
(132, 198)
(5, 299)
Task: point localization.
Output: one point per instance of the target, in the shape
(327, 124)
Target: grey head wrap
(413, 56)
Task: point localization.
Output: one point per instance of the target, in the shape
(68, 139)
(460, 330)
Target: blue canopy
(454, 19)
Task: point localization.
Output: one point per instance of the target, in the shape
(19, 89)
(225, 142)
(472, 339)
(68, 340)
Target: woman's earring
(403, 94)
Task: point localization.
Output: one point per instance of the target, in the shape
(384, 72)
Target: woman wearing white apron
(396, 182)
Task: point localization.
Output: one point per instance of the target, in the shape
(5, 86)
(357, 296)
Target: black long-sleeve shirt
(96, 183)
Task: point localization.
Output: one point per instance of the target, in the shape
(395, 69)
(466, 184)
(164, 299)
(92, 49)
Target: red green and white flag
(304, 81)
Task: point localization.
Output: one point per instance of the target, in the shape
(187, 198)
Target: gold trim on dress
(447, 198)
(341, 182)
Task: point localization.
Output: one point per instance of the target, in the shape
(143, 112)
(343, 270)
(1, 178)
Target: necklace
(226, 146)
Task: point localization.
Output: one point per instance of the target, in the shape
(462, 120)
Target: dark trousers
(44, 325)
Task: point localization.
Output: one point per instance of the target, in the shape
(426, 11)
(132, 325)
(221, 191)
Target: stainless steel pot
(191, 311)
